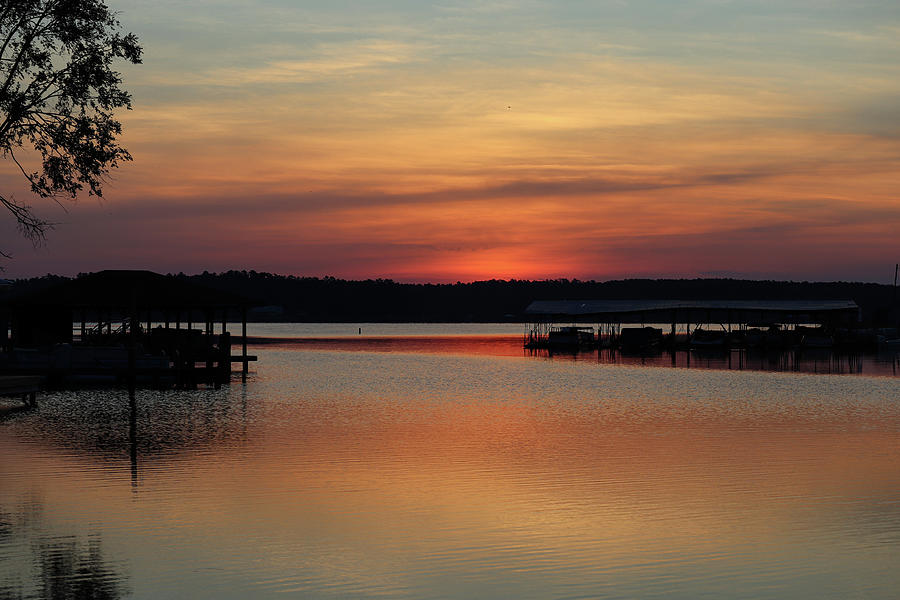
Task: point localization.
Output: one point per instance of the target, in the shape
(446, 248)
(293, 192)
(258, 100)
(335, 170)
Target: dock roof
(734, 311)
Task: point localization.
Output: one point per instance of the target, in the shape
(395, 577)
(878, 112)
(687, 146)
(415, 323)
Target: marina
(704, 325)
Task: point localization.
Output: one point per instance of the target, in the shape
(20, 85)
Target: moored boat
(708, 339)
(814, 337)
(638, 339)
(570, 337)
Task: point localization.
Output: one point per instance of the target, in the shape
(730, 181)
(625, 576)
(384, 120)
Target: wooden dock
(121, 327)
(25, 386)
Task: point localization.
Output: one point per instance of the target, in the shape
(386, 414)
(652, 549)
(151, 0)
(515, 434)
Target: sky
(470, 140)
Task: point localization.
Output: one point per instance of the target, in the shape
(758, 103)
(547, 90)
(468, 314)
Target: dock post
(13, 333)
(4, 336)
(211, 377)
(132, 438)
(224, 369)
(244, 344)
(132, 353)
(225, 348)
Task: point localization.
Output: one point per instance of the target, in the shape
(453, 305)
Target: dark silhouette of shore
(327, 299)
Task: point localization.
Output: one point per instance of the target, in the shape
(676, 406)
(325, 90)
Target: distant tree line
(324, 299)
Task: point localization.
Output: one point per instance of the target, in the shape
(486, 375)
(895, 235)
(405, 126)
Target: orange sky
(500, 139)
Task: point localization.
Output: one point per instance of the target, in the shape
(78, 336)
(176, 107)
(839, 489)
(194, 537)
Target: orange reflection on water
(409, 474)
(818, 361)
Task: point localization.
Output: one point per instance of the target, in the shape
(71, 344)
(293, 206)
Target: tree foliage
(58, 96)
(327, 299)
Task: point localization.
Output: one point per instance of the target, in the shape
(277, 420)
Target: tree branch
(31, 226)
(58, 94)
(23, 49)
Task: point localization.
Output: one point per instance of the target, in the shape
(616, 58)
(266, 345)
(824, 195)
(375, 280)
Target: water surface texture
(355, 472)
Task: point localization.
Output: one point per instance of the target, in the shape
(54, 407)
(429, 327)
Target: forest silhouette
(291, 298)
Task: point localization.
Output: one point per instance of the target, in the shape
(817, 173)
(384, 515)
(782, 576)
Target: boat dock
(124, 327)
(642, 324)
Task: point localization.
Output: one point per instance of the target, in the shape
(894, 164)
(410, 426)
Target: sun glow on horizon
(459, 143)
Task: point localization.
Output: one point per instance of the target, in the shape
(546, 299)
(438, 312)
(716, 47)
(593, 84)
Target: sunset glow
(478, 139)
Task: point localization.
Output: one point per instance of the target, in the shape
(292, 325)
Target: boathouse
(117, 323)
(611, 314)
(698, 311)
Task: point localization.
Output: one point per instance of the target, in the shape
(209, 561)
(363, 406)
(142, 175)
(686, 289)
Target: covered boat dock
(544, 316)
(121, 325)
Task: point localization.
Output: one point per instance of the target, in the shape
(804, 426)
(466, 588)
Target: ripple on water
(358, 474)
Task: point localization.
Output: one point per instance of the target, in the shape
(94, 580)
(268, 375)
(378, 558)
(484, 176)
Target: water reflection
(350, 473)
(133, 436)
(109, 425)
(69, 570)
(816, 361)
(492, 345)
(76, 443)
(57, 567)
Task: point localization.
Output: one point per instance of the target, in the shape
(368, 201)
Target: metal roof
(608, 307)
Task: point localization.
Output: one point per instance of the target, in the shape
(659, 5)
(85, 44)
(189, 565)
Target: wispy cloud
(326, 61)
(879, 35)
(576, 138)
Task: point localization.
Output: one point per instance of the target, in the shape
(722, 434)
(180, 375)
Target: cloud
(491, 7)
(884, 36)
(326, 62)
(235, 203)
(526, 135)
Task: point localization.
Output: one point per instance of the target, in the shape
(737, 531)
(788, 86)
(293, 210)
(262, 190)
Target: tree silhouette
(58, 94)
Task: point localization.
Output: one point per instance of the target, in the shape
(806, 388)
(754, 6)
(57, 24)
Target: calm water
(348, 468)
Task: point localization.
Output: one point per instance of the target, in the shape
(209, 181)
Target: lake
(443, 461)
